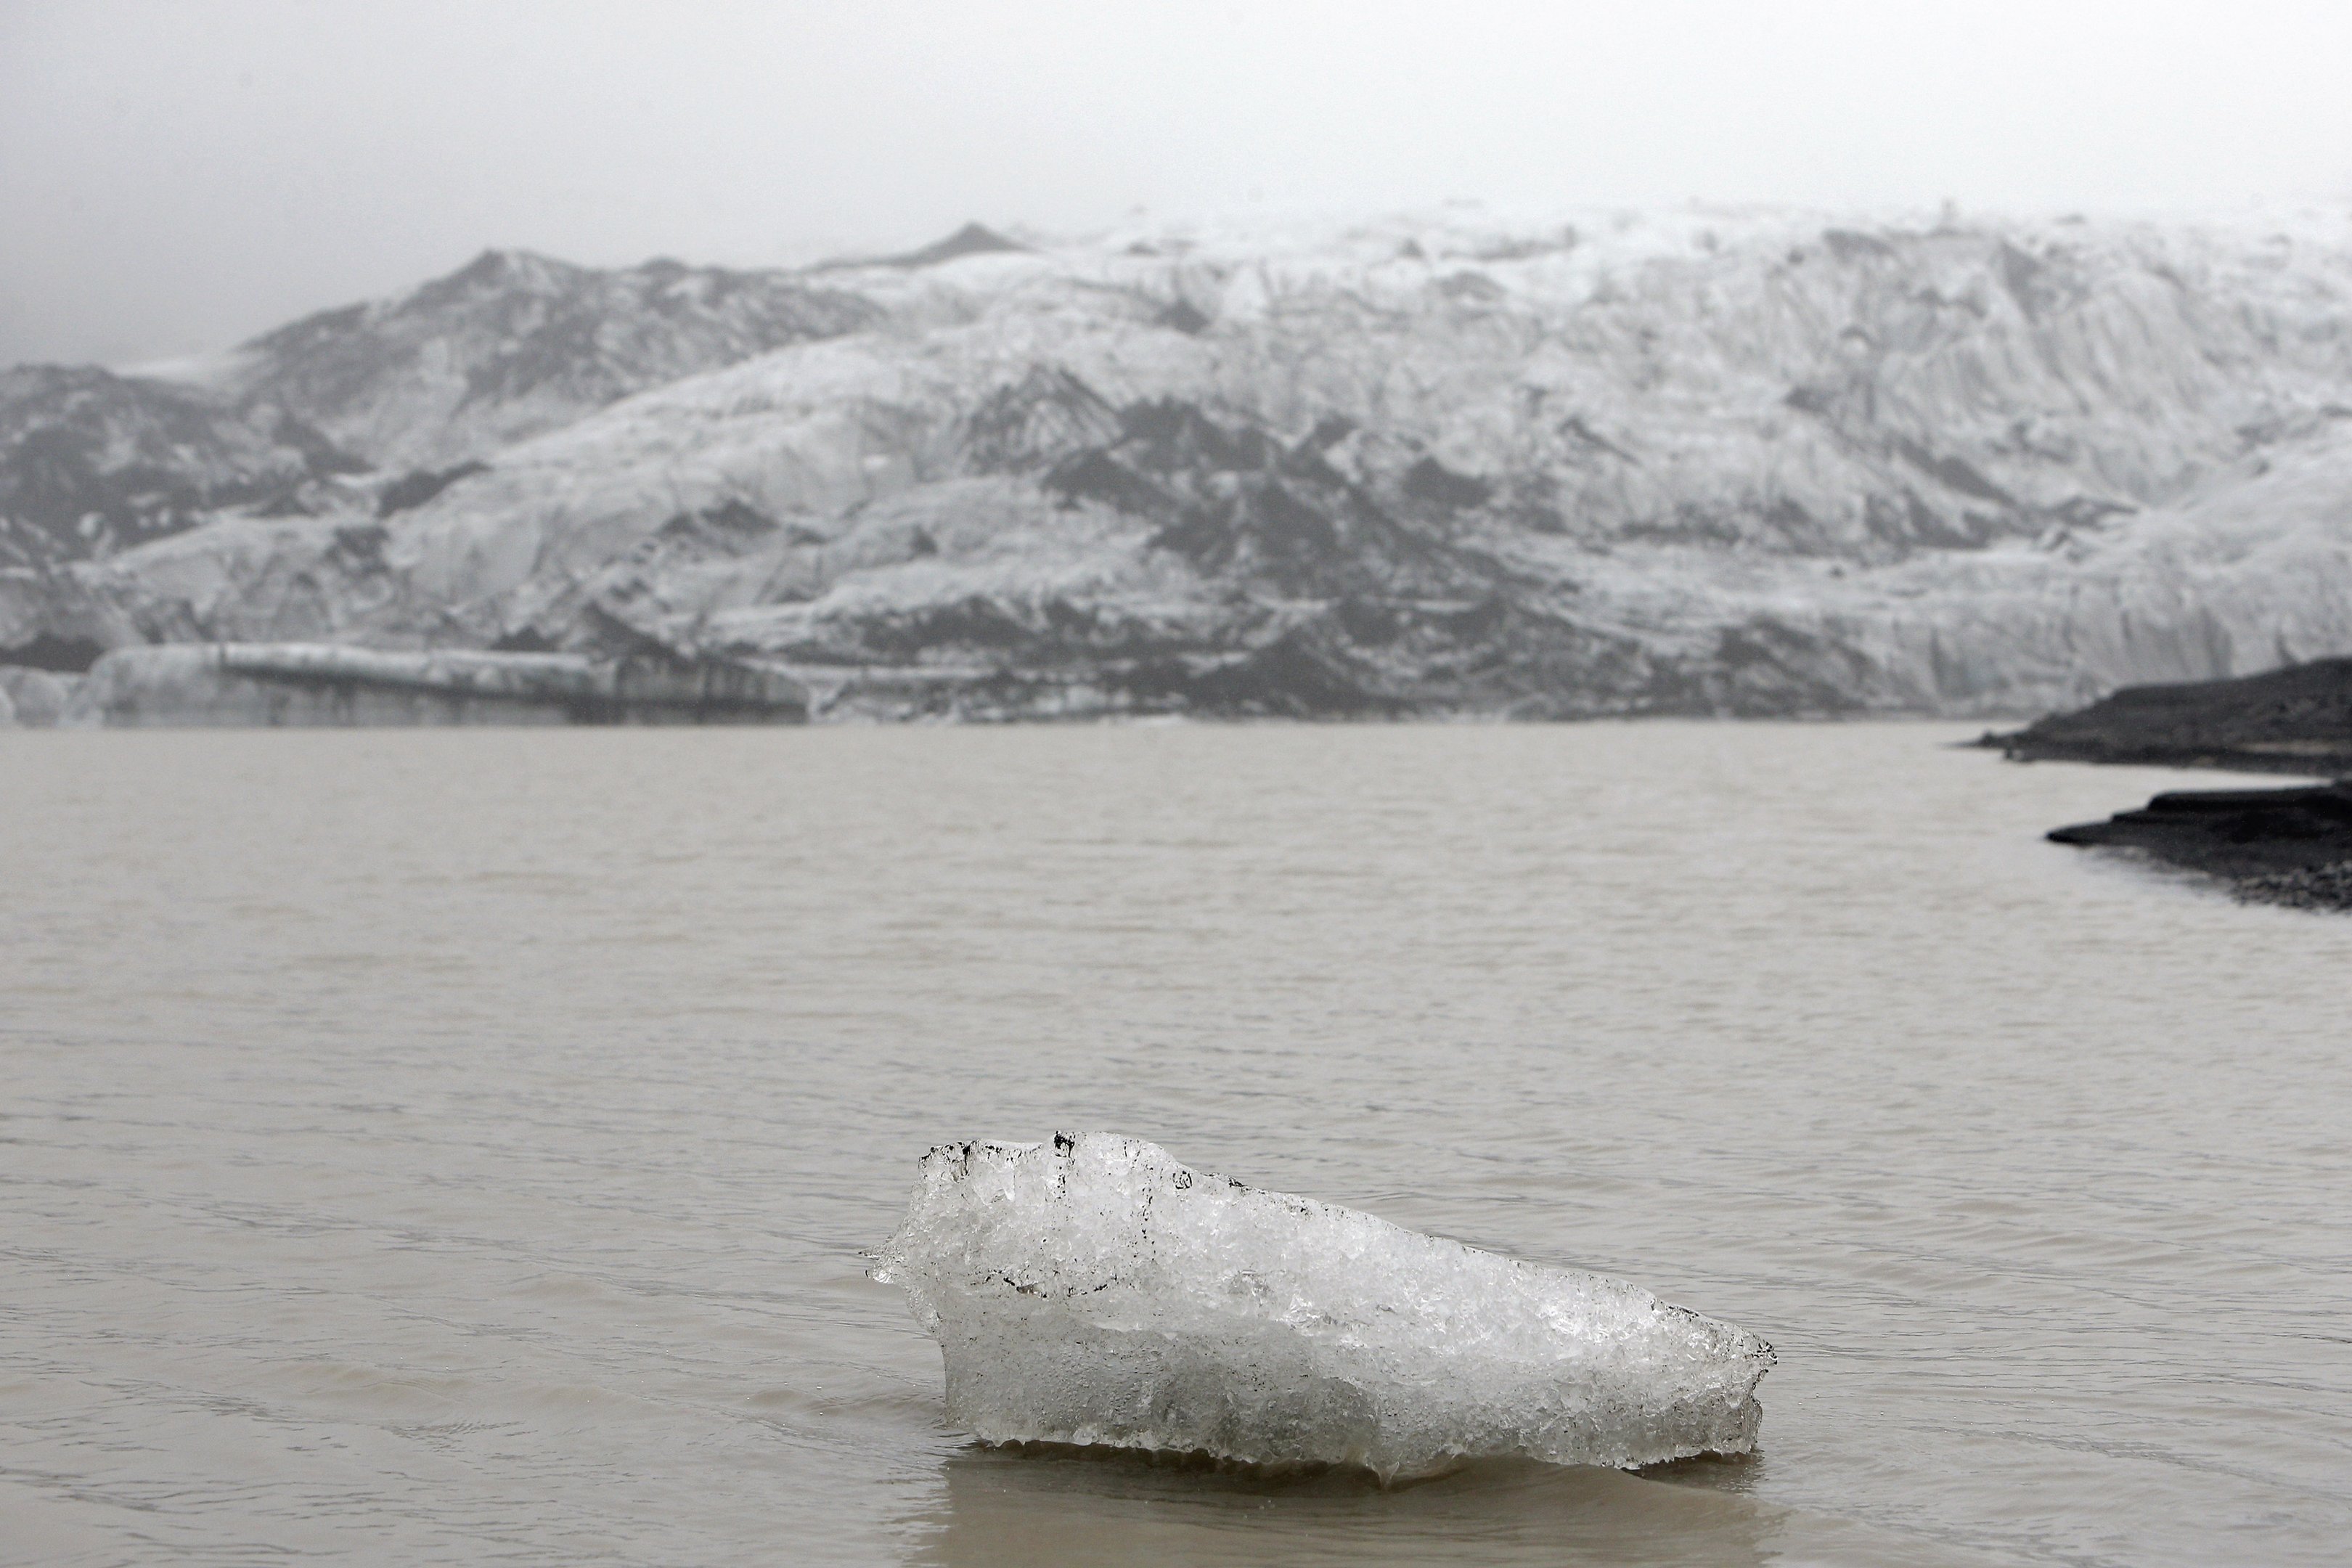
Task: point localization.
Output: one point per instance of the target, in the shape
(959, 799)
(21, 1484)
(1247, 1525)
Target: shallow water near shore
(428, 1146)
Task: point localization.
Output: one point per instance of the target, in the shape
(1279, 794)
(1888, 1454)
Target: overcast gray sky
(177, 176)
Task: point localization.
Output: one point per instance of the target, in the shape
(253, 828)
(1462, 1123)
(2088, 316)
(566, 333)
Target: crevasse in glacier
(1093, 1291)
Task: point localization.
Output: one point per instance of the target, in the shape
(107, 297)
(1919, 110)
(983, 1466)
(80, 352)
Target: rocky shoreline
(2291, 848)
(2297, 719)
(2232, 832)
(2313, 888)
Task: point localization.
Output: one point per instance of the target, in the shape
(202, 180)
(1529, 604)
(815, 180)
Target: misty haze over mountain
(177, 178)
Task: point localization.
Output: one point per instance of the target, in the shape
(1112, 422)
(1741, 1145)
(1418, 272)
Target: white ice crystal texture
(1093, 1291)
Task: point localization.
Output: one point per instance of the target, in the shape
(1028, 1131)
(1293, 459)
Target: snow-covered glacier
(1677, 463)
(1094, 1290)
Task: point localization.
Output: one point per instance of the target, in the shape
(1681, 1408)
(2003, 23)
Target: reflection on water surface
(1015, 1508)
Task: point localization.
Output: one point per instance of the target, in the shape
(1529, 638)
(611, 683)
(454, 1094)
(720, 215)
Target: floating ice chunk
(1094, 1291)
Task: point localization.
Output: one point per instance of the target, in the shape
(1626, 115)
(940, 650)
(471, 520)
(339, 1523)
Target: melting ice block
(1094, 1291)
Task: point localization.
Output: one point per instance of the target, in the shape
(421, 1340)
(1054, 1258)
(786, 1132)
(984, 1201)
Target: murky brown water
(435, 1147)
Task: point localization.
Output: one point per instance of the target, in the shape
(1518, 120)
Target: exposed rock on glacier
(323, 684)
(1093, 1291)
(972, 239)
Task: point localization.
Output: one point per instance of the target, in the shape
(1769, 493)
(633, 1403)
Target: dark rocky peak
(972, 239)
(498, 272)
(492, 277)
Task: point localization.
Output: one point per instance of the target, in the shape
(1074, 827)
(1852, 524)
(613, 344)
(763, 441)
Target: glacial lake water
(451, 1147)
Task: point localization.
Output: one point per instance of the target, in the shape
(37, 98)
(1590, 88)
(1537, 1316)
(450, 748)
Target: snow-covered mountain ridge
(1696, 463)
